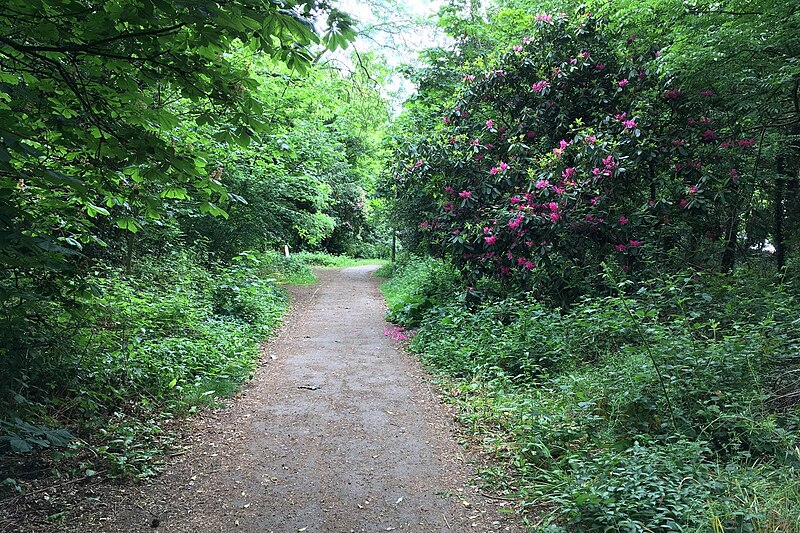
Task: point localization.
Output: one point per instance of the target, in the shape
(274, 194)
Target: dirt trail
(338, 432)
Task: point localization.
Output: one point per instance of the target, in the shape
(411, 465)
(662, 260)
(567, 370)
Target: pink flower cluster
(397, 333)
(540, 86)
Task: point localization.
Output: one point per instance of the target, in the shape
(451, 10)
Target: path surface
(338, 432)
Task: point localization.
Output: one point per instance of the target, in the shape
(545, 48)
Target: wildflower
(465, 194)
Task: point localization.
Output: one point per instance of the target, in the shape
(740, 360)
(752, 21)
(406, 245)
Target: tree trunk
(780, 193)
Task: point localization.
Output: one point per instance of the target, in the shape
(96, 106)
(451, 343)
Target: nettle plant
(565, 157)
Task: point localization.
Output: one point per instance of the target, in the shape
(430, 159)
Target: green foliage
(650, 411)
(173, 337)
(416, 287)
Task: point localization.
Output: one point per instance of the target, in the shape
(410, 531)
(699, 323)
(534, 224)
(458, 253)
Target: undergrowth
(94, 390)
(672, 408)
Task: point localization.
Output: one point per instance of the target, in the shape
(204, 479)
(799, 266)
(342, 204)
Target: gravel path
(339, 431)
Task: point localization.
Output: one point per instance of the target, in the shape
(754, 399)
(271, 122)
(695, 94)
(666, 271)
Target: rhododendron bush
(565, 158)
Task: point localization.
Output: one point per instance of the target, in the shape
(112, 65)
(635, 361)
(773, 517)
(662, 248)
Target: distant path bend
(338, 432)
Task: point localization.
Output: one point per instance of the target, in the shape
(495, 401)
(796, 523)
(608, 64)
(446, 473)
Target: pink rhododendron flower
(621, 247)
(600, 66)
(424, 225)
(635, 244)
(494, 171)
(623, 82)
(673, 94)
(540, 86)
(503, 165)
(446, 120)
(449, 207)
(490, 124)
(747, 143)
(465, 194)
(518, 49)
(622, 220)
(590, 139)
(693, 189)
(491, 239)
(448, 189)
(541, 17)
(530, 134)
(558, 190)
(530, 265)
(609, 162)
(595, 200)
(554, 217)
(707, 92)
(684, 202)
(568, 173)
(629, 124)
(734, 174)
(553, 206)
(542, 184)
(621, 116)
(418, 163)
(572, 60)
(709, 136)
(678, 142)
